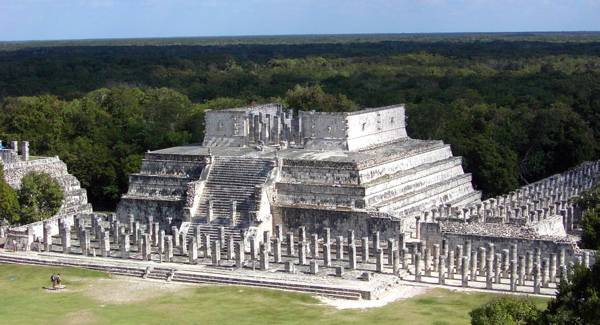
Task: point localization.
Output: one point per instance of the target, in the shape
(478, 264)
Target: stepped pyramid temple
(343, 205)
(260, 166)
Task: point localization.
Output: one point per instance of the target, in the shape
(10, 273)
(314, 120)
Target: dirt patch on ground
(398, 293)
(118, 290)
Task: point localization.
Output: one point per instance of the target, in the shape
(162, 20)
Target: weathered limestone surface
(259, 166)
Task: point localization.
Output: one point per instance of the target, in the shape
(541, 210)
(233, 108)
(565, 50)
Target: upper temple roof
(270, 125)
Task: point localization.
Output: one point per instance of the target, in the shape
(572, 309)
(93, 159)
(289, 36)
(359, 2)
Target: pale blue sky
(74, 19)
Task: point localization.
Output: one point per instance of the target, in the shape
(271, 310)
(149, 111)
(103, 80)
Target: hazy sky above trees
(67, 19)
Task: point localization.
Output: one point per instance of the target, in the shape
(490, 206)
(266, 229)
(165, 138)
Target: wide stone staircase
(230, 179)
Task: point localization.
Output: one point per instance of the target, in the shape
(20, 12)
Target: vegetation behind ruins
(518, 107)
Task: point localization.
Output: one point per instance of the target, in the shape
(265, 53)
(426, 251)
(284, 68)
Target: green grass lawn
(23, 301)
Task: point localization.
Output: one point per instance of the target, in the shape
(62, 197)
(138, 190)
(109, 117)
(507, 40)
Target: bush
(504, 311)
(577, 300)
(40, 197)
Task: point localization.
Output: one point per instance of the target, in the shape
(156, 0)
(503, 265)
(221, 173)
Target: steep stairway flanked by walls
(231, 179)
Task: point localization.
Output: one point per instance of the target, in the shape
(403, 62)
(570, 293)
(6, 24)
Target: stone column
(221, 236)
(216, 252)
(365, 249)
(521, 266)
(327, 255)
(156, 234)
(536, 279)
(239, 255)
(396, 264)
(352, 256)
(254, 250)
(436, 255)
(279, 232)
(465, 271)
(125, 246)
(497, 268)
(193, 253)
(400, 241)
(198, 235)
(230, 248)
(545, 271)
(314, 267)
(105, 244)
(451, 264)
(376, 243)
(65, 239)
(161, 242)
(406, 258)
(553, 270)
(314, 245)
(47, 238)
(184, 243)
(561, 260)
(467, 249)
(390, 251)
(417, 227)
(116, 228)
(442, 270)
(211, 213)
(302, 234)
(417, 267)
(84, 243)
(267, 240)
(169, 254)
(175, 236)
(302, 253)
(529, 265)
(277, 250)
(513, 276)
(264, 258)
(206, 245)
(488, 275)
(482, 260)
(145, 247)
(339, 248)
(379, 261)
(290, 244)
(427, 262)
(459, 255)
(327, 236)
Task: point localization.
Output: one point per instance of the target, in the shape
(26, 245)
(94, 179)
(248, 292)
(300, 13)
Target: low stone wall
(340, 222)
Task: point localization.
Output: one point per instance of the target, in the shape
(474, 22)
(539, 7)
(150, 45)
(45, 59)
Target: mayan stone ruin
(345, 205)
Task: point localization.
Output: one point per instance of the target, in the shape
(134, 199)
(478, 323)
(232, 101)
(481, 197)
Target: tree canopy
(517, 111)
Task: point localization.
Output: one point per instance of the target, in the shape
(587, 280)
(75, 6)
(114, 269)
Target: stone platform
(325, 285)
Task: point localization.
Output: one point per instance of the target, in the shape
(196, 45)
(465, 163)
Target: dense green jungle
(517, 107)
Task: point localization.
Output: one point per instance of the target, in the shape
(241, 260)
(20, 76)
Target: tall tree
(9, 205)
(40, 197)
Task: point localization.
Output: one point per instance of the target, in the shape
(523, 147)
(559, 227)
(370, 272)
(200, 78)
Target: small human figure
(58, 280)
(53, 280)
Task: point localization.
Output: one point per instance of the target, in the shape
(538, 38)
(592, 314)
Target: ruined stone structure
(17, 163)
(336, 204)
(260, 166)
